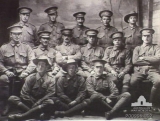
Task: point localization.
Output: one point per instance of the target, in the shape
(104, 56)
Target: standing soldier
(44, 49)
(53, 26)
(119, 62)
(132, 31)
(28, 30)
(104, 95)
(15, 58)
(36, 94)
(79, 29)
(67, 50)
(106, 29)
(90, 51)
(146, 60)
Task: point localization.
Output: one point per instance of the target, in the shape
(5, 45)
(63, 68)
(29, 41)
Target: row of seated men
(16, 56)
(110, 88)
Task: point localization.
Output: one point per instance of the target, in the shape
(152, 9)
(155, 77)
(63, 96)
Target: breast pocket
(30, 33)
(121, 58)
(23, 57)
(8, 57)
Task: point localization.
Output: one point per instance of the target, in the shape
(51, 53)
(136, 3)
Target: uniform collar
(67, 44)
(38, 77)
(43, 48)
(90, 46)
(15, 44)
(79, 27)
(133, 27)
(106, 27)
(23, 24)
(51, 24)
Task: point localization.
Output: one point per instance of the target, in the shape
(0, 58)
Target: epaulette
(35, 47)
(110, 47)
(32, 25)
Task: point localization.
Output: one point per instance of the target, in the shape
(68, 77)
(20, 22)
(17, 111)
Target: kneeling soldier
(103, 94)
(119, 62)
(36, 94)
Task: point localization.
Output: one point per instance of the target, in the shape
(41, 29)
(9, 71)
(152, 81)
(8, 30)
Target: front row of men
(19, 60)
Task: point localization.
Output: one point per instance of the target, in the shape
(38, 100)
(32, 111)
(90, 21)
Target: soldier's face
(66, 38)
(44, 41)
(147, 39)
(132, 19)
(91, 39)
(98, 68)
(71, 69)
(106, 20)
(117, 42)
(24, 17)
(15, 36)
(80, 20)
(52, 17)
(42, 67)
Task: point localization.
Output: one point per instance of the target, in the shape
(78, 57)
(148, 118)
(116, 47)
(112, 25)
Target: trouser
(47, 105)
(154, 77)
(121, 83)
(95, 103)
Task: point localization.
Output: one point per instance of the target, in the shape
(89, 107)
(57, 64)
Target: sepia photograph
(79, 60)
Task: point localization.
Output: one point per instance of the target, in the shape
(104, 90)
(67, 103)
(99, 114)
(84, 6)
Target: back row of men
(17, 59)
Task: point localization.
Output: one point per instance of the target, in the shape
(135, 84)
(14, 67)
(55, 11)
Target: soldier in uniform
(79, 29)
(104, 95)
(146, 60)
(119, 62)
(67, 50)
(106, 29)
(28, 30)
(36, 94)
(132, 31)
(15, 58)
(90, 51)
(53, 26)
(44, 49)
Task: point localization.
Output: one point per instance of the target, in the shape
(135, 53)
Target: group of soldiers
(63, 71)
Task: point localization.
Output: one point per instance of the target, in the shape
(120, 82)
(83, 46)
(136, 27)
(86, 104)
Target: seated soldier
(146, 60)
(119, 62)
(36, 94)
(71, 86)
(89, 52)
(104, 95)
(15, 58)
(44, 49)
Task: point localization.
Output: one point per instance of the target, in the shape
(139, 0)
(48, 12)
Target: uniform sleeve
(106, 58)
(77, 56)
(2, 67)
(26, 90)
(113, 89)
(30, 54)
(81, 91)
(60, 91)
(154, 59)
(128, 62)
(135, 58)
(59, 58)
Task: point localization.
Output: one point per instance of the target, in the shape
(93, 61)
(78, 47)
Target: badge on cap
(51, 10)
(15, 29)
(44, 34)
(79, 14)
(117, 34)
(66, 31)
(147, 31)
(24, 10)
(107, 13)
(91, 32)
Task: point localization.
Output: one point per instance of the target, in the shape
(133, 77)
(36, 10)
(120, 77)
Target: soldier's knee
(95, 97)
(126, 95)
(156, 83)
(86, 102)
(4, 80)
(13, 100)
